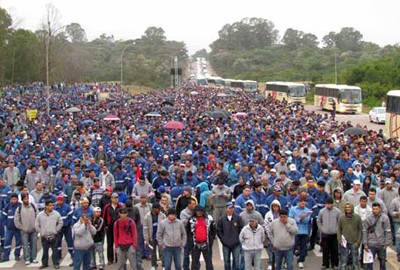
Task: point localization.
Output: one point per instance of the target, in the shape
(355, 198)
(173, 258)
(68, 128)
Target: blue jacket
(8, 216)
(5, 193)
(281, 199)
(296, 213)
(260, 202)
(42, 201)
(66, 213)
(311, 204)
(320, 198)
(240, 204)
(78, 213)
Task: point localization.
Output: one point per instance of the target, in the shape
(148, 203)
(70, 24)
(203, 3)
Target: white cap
(356, 182)
(97, 209)
(273, 170)
(189, 152)
(292, 167)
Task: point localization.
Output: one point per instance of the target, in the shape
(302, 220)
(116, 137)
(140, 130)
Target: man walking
(377, 235)
(83, 242)
(98, 238)
(327, 222)
(229, 227)
(125, 240)
(221, 194)
(349, 235)
(171, 235)
(151, 224)
(24, 220)
(252, 239)
(12, 231)
(283, 235)
(202, 232)
(394, 211)
(48, 224)
(66, 215)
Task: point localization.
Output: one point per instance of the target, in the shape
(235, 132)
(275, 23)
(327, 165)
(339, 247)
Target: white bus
(392, 121)
(347, 98)
(289, 91)
(201, 81)
(250, 86)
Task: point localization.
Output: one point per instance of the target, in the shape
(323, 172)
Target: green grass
(136, 89)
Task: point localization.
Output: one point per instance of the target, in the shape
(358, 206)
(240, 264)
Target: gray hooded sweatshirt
(380, 233)
(245, 215)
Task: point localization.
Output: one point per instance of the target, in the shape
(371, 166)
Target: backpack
(34, 208)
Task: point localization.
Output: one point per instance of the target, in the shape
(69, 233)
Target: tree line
(252, 49)
(72, 58)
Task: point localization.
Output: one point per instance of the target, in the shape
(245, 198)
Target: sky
(197, 22)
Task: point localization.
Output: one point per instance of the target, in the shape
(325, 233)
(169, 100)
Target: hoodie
(204, 192)
(339, 203)
(271, 216)
(252, 239)
(350, 227)
(245, 215)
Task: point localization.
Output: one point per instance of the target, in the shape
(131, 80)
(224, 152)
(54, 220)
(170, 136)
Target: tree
(292, 38)
(348, 39)
(76, 33)
(201, 53)
(5, 30)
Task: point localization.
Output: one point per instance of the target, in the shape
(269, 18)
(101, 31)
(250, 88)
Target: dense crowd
(107, 166)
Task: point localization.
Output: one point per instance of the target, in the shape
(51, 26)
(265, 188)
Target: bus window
(350, 96)
(297, 91)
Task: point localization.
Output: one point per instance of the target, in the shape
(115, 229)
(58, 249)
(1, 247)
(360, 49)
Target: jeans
(301, 244)
(270, 253)
(196, 258)
(344, 255)
(329, 245)
(186, 253)
(99, 247)
(67, 233)
(10, 234)
(49, 242)
(123, 256)
(29, 245)
(235, 257)
(251, 256)
(397, 242)
(82, 257)
(172, 253)
(280, 254)
(381, 252)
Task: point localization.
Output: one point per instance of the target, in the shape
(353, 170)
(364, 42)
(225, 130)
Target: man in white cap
(354, 194)
(98, 238)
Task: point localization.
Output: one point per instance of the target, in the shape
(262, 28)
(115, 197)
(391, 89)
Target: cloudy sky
(197, 22)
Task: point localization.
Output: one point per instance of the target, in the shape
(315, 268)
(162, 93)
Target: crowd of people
(248, 170)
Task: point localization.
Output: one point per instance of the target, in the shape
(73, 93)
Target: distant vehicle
(250, 86)
(392, 121)
(289, 91)
(377, 115)
(347, 98)
(201, 81)
(215, 82)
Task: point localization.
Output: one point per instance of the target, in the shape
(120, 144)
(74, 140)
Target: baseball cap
(356, 182)
(388, 181)
(109, 188)
(97, 209)
(60, 197)
(229, 205)
(273, 170)
(325, 171)
(277, 188)
(292, 167)
(114, 195)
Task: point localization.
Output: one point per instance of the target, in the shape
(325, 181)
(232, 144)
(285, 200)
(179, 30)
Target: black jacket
(228, 231)
(99, 225)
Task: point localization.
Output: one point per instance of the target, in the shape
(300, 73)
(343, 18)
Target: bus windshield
(350, 96)
(250, 86)
(297, 91)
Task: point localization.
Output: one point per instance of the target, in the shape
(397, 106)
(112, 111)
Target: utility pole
(176, 73)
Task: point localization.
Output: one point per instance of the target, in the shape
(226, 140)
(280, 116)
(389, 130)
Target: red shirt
(201, 230)
(122, 236)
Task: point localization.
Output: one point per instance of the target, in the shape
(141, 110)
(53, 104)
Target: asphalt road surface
(362, 119)
(313, 260)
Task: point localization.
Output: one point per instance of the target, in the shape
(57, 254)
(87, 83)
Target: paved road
(362, 119)
(313, 261)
